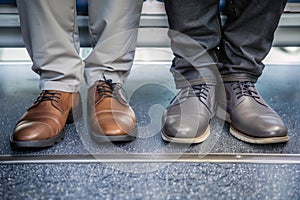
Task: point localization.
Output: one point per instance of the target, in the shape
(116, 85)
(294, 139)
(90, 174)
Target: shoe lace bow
(245, 89)
(107, 88)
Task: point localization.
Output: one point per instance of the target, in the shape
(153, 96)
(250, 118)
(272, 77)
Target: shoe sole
(253, 140)
(195, 140)
(241, 136)
(38, 143)
(100, 138)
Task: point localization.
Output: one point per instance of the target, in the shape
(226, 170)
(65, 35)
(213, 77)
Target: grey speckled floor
(150, 88)
(172, 181)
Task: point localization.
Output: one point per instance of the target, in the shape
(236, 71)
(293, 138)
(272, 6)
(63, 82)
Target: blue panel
(7, 1)
(222, 4)
(82, 7)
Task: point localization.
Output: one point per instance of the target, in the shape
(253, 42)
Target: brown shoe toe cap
(108, 124)
(32, 131)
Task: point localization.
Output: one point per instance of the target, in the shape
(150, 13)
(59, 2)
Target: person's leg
(195, 33)
(113, 27)
(247, 39)
(50, 35)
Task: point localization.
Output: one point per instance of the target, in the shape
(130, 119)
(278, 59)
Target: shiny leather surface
(109, 112)
(249, 113)
(188, 115)
(46, 117)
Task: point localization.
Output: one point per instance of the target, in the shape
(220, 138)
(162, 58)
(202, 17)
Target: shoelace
(200, 91)
(107, 88)
(245, 89)
(48, 96)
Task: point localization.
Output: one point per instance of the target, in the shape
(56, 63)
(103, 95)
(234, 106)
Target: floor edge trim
(153, 158)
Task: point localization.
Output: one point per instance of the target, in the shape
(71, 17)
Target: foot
(111, 117)
(42, 125)
(187, 118)
(251, 119)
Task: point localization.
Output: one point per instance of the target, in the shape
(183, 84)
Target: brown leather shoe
(111, 117)
(252, 119)
(42, 125)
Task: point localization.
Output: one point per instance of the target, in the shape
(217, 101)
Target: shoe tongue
(108, 84)
(198, 87)
(49, 95)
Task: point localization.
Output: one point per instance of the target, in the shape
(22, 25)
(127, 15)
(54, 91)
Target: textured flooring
(150, 88)
(172, 181)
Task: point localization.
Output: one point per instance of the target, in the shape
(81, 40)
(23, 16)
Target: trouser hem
(64, 87)
(238, 77)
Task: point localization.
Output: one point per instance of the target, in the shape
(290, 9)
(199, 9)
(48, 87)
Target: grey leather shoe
(187, 118)
(252, 120)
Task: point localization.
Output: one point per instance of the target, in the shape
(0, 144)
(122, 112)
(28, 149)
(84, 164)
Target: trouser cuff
(238, 77)
(195, 77)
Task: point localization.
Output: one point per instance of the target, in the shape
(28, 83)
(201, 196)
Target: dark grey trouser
(205, 49)
(50, 34)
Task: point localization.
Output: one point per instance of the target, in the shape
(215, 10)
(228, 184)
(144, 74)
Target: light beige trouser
(50, 34)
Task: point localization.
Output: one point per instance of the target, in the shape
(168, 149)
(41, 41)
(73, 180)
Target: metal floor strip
(153, 158)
